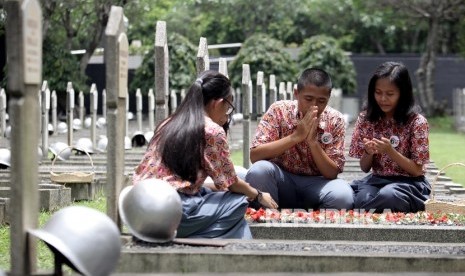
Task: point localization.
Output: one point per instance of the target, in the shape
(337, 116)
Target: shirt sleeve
(218, 164)
(268, 128)
(336, 151)
(419, 143)
(356, 144)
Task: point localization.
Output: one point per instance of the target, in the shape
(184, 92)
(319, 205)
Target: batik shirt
(410, 140)
(216, 163)
(281, 120)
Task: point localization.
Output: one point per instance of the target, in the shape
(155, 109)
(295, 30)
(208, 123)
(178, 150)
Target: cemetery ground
(446, 147)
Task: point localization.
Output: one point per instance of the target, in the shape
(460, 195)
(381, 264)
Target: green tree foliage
(182, 55)
(266, 54)
(324, 52)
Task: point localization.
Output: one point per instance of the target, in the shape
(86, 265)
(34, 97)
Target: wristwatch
(258, 197)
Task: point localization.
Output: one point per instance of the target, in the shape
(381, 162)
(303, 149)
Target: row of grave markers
(24, 50)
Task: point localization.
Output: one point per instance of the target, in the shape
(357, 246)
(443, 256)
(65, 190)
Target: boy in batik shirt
(298, 149)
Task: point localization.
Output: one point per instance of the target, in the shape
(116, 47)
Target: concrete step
(291, 256)
(358, 232)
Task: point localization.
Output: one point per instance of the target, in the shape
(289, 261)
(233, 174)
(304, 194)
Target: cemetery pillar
(223, 67)
(161, 72)
(272, 97)
(282, 91)
(45, 107)
(246, 95)
(93, 113)
(2, 112)
(116, 65)
(173, 101)
(260, 96)
(82, 110)
(151, 99)
(70, 111)
(203, 61)
(104, 103)
(139, 109)
(24, 52)
(53, 103)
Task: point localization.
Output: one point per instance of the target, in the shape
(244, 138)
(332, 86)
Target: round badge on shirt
(326, 138)
(395, 141)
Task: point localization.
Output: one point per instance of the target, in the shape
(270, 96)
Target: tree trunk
(425, 73)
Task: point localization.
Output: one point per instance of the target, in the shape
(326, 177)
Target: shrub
(324, 52)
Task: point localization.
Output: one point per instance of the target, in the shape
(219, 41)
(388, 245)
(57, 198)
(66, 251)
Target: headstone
(173, 101)
(116, 57)
(223, 67)
(238, 98)
(24, 52)
(45, 108)
(82, 107)
(2, 112)
(183, 94)
(335, 101)
(70, 111)
(273, 91)
(260, 95)
(282, 91)
(151, 99)
(93, 113)
(53, 106)
(139, 109)
(290, 94)
(203, 60)
(126, 131)
(161, 72)
(104, 103)
(246, 96)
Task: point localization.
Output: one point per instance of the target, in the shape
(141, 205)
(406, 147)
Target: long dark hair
(181, 137)
(397, 74)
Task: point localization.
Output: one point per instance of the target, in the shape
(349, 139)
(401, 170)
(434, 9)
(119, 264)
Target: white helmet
(102, 144)
(138, 139)
(88, 239)
(237, 118)
(5, 158)
(61, 150)
(151, 209)
(50, 129)
(127, 143)
(62, 127)
(8, 132)
(101, 122)
(77, 124)
(84, 145)
(148, 136)
(88, 122)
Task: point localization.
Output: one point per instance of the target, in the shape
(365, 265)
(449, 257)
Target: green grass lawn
(447, 146)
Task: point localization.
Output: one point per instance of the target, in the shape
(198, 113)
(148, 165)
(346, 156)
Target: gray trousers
(396, 193)
(214, 215)
(300, 191)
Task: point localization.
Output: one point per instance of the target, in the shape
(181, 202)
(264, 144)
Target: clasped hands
(307, 126)
(376, 146)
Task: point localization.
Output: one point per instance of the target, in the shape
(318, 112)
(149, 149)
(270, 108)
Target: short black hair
(315, 76)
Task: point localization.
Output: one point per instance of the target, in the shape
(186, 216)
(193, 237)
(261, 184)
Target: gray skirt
(214, 215)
